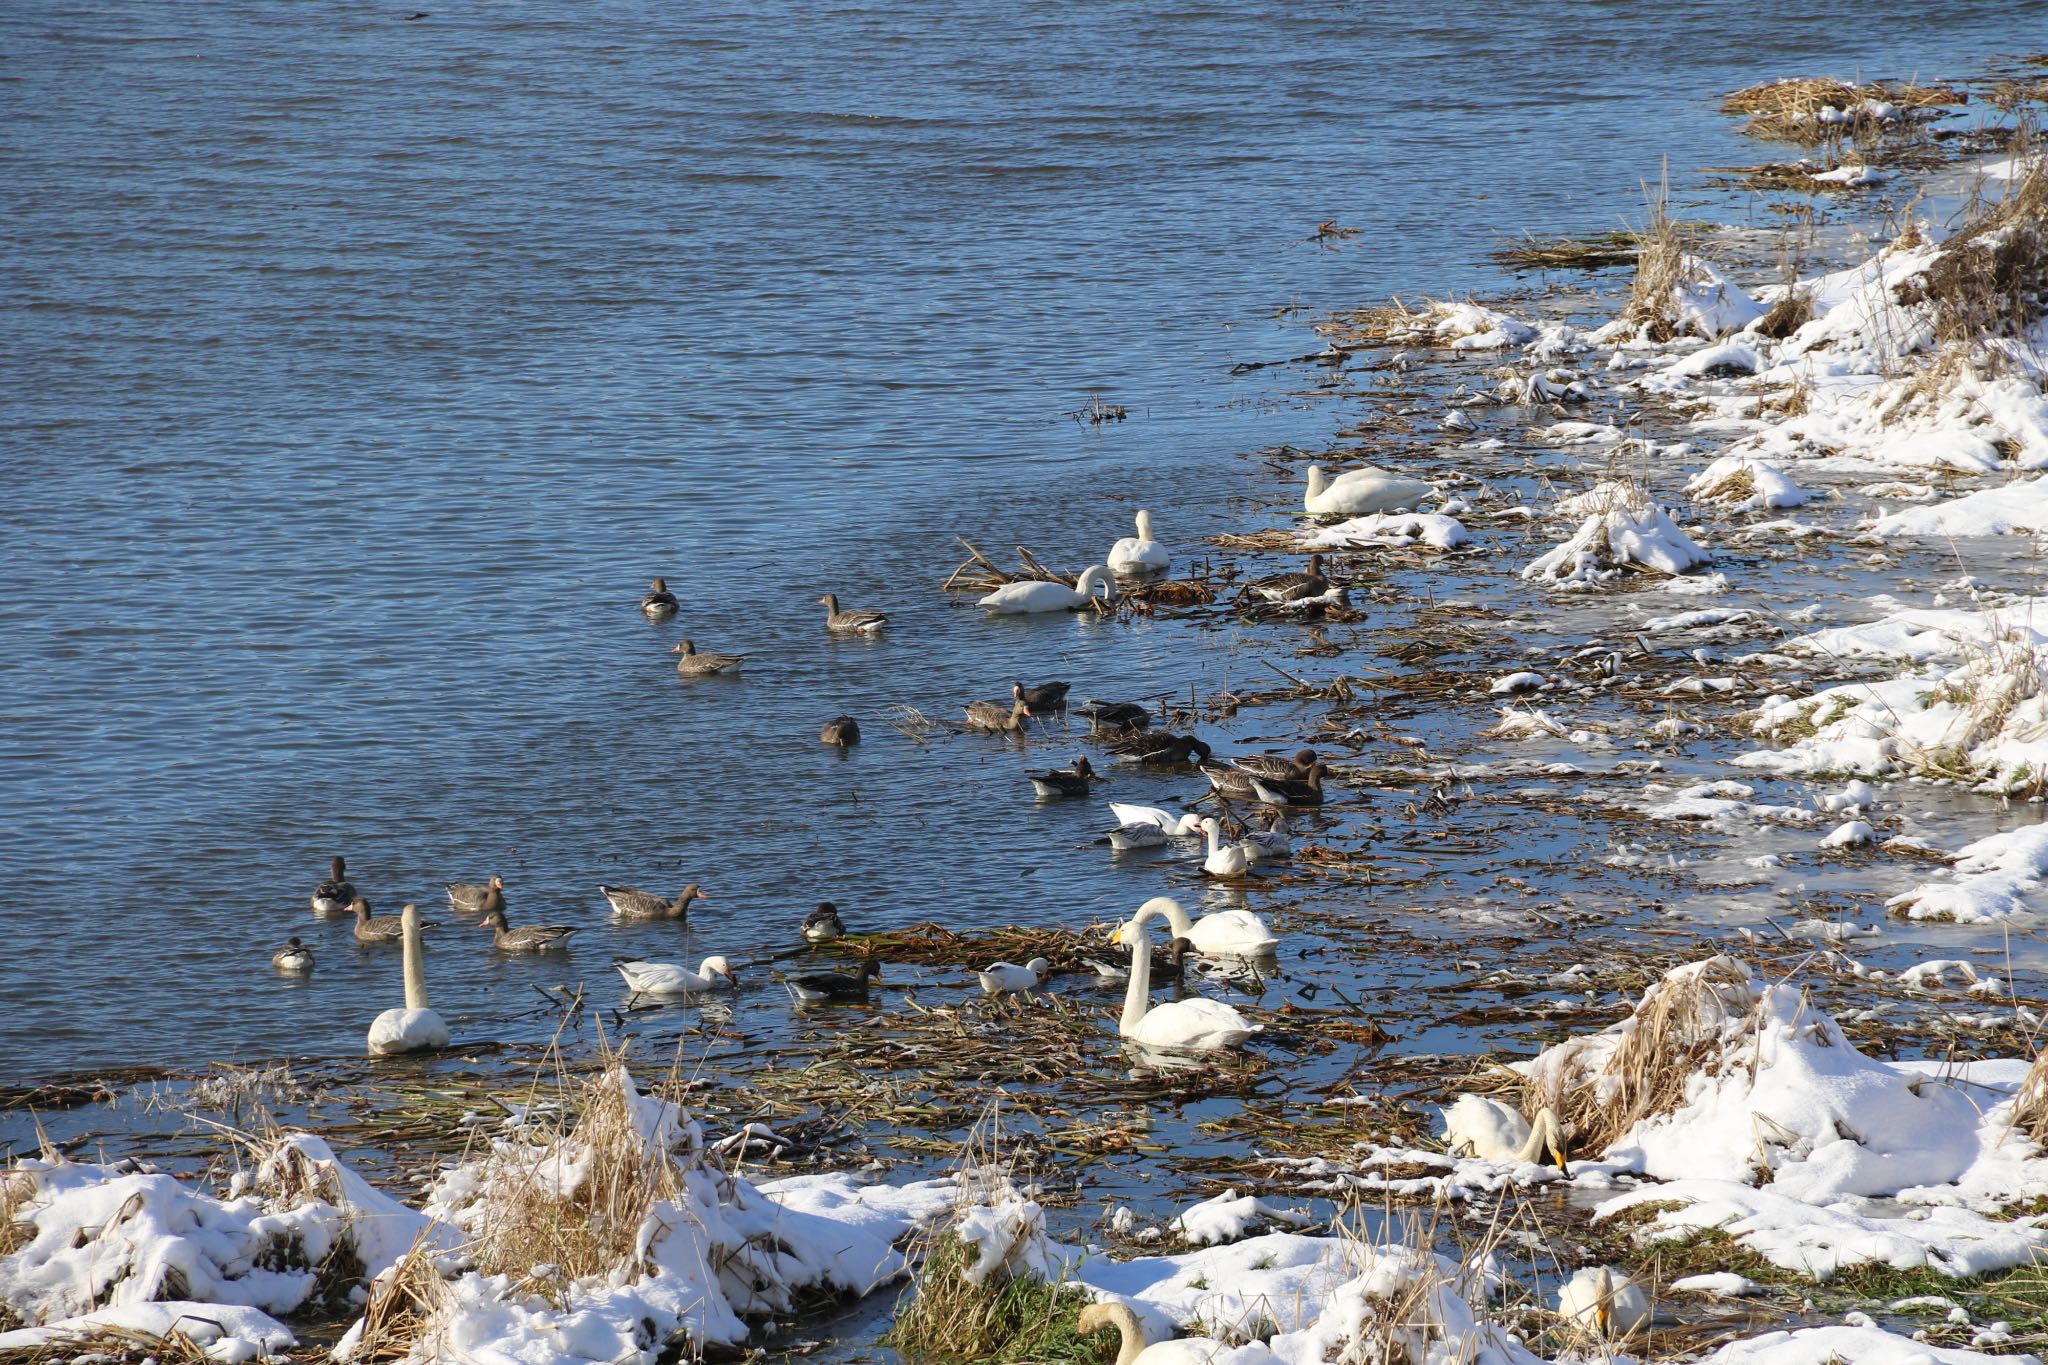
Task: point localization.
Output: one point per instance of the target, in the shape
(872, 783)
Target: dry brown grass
(402, 1307)
(2030, 1107)
(1991, 278)
(1793, 310)
(1679, 1029)
(1660, 267)
(1787, 110)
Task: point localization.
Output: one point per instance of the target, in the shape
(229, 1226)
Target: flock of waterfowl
(1125, 732)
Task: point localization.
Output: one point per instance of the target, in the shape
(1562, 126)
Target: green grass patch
(944, 1317)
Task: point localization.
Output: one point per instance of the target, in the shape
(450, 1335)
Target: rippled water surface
(360, 372)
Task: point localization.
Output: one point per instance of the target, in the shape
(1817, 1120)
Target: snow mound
(1461, 327)
(1395, 530)
(1745, 483)
(1622, 529)
(223, 1332)
(1995, 878)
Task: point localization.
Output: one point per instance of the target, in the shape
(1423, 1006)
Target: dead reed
(1991, 277)
(1795, 109)
(1660, 267)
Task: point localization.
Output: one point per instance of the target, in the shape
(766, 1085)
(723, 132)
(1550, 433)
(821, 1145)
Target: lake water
(361, 372)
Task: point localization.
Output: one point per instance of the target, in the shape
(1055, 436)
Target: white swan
(1004, 978)
(1132, 1349)
(415, 1027)
(1598, 1299)
(1360, 492)
(1018, 599)
(1273, 844)
(665, 978)
(1196, 1025)
(1140, 553)
(1227, 933)
(1224, 860)
(1477, 1126)
(1176, 825)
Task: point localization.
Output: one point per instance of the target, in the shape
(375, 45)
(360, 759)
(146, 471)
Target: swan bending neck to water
(1230, 933)
(1017, 599)
(1487, 1128)
(1611, 1305)
(1132, 1349)
(415, 1027)
(1195, 1025)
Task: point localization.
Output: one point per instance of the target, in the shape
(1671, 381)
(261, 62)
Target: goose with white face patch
(1023, 599)
(1227, 933)
(1139, 554)
(1360, 492)
(1195, 1025)
(1489, 1129)
(416, 1027)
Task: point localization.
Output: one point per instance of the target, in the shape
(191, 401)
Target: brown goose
(628, 903)
(814, 988)
(1159, 750)
(994, 718)
(534, 938)
(477, 897)
(1066, 781)
(1306, 790)
(691, 664)
(841, 731)
(1272, 765)
(1115, 715)
(660, 603)
(1292, 587)
(376, 928)
(1050, 696)
(850, 622)
(1234, 778)
(337, 893)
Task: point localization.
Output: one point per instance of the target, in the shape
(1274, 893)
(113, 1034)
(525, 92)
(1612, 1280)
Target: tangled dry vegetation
(1791, 110)
(1661, 263)
(1991, 278)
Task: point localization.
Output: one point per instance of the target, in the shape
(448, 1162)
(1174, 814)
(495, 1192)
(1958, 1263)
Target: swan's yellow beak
(1118, 936)
(1557, 1155)
(1603, 1316)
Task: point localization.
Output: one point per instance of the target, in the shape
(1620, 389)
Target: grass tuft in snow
(1991, 277)
(946, 1316)
(1661, 265)
(1813, 109)
(2030, 1106)
(403, 1304)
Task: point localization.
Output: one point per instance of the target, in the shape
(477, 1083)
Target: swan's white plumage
(1224, 860)
(1273, 845)
(1361, 492)
(1481, 1127)
(1196, 1025)
(1600, 1300)
(1019, 599)
(415, 1027)
(666, 978)
(1139, 553)
(1227, 933)
(1003, 978)
(1176, 825)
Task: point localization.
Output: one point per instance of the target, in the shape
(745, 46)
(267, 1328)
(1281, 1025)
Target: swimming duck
(294, 959)
(415, 1027)
(815, 987)
(850, 622)
(823, 924)
(665, 978)
(533, 938)
(1037, 595)
(477, 897)
(628, 903)
(1360, 492)
(1139, 554)
(1148, 826)
(1193, 1025)
(337, 893)
(376, 928)
(1233, 777)
(1292, 587)
(841, 731)
(660, 603)
(1224, 860)
(1050, 696)
(995, 718)
(1158, 749)
(1005, 978)
(1066, 781)
(691, 664)
(1115, 715)
(1273, 844)
(1306, 790)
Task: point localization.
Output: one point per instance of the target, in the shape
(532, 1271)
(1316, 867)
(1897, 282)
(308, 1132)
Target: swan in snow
(1610, 1304)
(415, 1027)
(1140, 553)
(1004, 978)
(294, 959)
(1224, 860)
(660, 603)
(1477, 1126)
(1360, 492)
(1227, 933)
(823, 924)
(1272, 844)
(1017, 599)
(665, 978)
(337, 893)
(1178, 1351)
(1195, 1025)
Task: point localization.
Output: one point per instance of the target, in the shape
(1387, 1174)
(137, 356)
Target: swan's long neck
(1130, 1334)
(1315, 481)
(1137, 995)
(1144, 525)
(415, 966)
(1169, 909)
(1215, 834)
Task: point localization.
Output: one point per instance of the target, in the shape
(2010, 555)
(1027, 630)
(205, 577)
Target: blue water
(360, 372)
